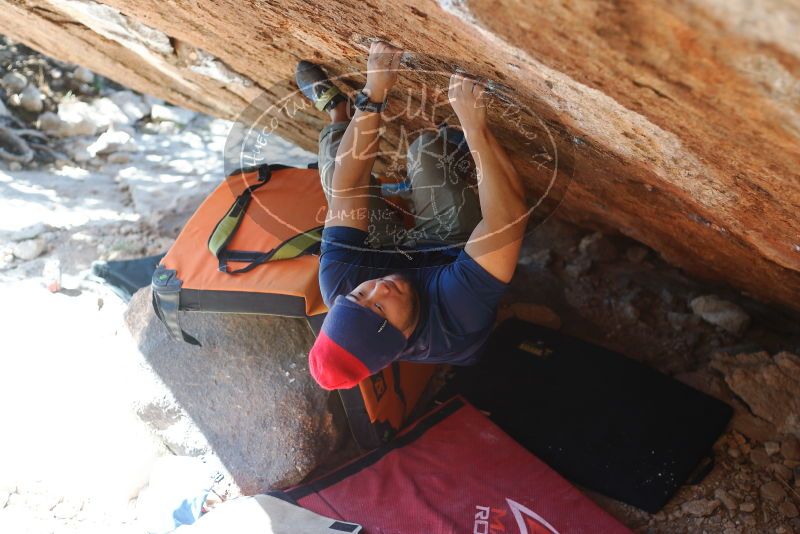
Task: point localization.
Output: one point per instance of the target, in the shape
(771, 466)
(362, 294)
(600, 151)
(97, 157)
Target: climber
(433, 297)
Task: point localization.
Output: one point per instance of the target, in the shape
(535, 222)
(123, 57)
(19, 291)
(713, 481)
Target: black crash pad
(126, 277)
(600, 419)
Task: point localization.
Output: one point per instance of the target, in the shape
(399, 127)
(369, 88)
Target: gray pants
(444, 203)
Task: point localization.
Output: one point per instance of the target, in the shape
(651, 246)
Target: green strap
(227, 226)
(224, 231)
(297, 245)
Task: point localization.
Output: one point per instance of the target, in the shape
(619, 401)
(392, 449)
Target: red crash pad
(453, 472)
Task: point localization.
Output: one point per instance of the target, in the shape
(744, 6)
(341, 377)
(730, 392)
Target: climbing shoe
(314, 84)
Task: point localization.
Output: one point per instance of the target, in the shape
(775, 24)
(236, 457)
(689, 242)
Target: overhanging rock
(678, 123)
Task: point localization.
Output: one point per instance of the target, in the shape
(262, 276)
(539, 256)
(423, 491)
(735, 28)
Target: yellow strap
(223, 232)
(297, 245)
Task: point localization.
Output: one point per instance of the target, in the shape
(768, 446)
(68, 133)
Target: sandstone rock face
(248, 390)
(676, 122)
(768, 384)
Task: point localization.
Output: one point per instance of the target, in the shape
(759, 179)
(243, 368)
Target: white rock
(78, 118)
(133, 105)
(171, 113)
(29, 232)
(31, 99)
(50, 123)
(113, 141)
(110, 112)
(14, 82)
(83, 75)
(722, 313)
(14, 166)
(81, 118)
(29, 249)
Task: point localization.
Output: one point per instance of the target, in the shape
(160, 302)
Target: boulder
(769, 385)
(641, 105)
(247, 388)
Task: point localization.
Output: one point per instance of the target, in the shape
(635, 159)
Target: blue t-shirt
(458, 298)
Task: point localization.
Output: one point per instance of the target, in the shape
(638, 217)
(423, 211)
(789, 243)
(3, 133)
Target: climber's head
(393, 298)
(364, 331)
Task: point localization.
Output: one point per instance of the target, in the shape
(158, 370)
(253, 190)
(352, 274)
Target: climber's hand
(381, 70)
(466, 95)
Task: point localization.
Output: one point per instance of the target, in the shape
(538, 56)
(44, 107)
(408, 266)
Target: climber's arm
(495, 243)
(349, 197)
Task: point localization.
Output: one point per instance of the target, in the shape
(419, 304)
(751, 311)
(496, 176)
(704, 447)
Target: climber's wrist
(474, 128)
(376, 93)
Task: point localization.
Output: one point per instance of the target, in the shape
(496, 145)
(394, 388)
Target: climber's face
(392, 297)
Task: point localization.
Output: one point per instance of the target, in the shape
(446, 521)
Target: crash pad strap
(298, 245)
(227, 226)
(166, 302)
